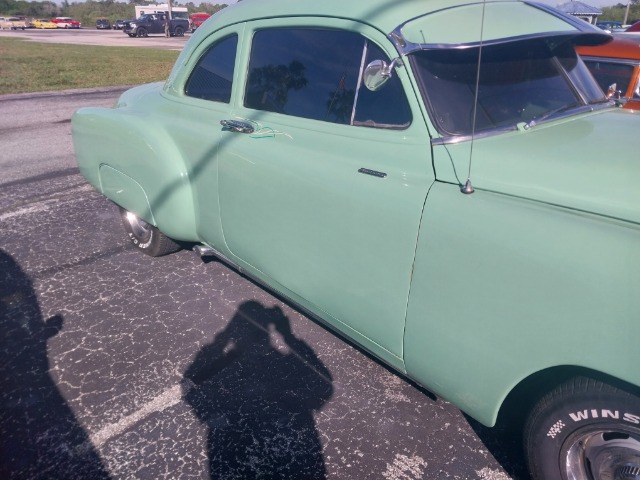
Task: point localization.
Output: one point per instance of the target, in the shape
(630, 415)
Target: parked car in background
(440, 191)
(634, 28)
(103, 24)
(154, 23)
(118, 24)
(616, 68)
(43, 23)
(66, 22)
(610, 26)
(196, 19)
(13, 23)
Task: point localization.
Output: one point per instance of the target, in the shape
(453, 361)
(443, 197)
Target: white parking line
(166, 399)
(42, 204)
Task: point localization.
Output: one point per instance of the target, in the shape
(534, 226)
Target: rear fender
(132, 159)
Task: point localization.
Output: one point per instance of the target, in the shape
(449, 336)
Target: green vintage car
(432, 179)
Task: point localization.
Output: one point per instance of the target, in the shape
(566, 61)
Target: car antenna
(467, 188)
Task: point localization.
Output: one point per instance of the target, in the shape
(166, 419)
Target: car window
(518, 83)
(315, 73)
(212, 76)
(608, 73)
(387, 107)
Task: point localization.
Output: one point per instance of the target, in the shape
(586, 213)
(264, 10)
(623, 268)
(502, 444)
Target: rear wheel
(178, 32)
(146, 237)
(584, 430)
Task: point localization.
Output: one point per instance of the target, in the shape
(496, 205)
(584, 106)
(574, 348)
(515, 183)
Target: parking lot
(92, 36)
(118, 365)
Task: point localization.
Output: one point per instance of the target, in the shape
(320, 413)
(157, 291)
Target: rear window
(212, 77)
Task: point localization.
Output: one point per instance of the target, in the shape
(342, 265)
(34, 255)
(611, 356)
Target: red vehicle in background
(197, 19)
(634, 28)
(66, 22)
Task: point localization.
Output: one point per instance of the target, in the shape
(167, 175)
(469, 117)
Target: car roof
(627, 47)
(383, 14)
(505, 18)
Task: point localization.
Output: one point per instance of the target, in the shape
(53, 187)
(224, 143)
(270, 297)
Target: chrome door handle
(237, 126)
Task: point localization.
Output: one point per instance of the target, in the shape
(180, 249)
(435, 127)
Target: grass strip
(36, 67)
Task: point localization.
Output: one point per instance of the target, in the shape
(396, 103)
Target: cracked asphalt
(117, 365)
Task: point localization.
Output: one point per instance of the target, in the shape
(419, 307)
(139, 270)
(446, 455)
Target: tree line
(88, 12)
(617, 12)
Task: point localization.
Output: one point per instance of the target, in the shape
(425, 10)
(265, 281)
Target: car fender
(504, 287)
(133, 161)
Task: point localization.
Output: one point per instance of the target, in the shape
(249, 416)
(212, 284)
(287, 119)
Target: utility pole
(171, 15)
(626, 13)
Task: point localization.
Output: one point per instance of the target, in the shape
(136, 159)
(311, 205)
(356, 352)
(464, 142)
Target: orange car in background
(616, 68)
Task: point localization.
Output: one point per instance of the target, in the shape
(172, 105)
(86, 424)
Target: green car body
(533, 275)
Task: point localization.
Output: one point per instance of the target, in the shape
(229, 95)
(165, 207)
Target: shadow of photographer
(40, 438)
(256, 388)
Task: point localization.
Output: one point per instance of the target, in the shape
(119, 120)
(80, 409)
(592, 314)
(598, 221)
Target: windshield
(519, 82)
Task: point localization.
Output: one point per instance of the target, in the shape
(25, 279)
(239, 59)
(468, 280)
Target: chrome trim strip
(410, 48)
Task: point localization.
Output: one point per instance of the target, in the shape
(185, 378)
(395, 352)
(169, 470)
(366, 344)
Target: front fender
(506, 287)
(129, 157)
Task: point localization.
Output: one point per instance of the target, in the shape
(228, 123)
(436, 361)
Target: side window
(212, 76)
(315, 73)
(608, 73)
(385, 108)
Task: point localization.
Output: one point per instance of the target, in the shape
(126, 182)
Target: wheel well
(519, 402)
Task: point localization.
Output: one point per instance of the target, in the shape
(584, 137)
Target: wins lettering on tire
(587, 414)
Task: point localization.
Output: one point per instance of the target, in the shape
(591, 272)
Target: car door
(157, 23)
(203, 98)
(323, 198)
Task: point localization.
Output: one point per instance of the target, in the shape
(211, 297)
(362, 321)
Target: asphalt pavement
(117, 365)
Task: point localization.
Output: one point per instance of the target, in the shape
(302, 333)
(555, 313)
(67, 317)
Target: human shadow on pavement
(256, 387)
(40, 438)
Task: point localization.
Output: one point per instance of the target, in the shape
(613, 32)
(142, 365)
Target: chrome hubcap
(139, 227)
(604, 455)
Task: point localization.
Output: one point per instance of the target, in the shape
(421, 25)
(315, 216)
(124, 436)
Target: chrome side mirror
(377, 73)
(613, 91)
(616, 95)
